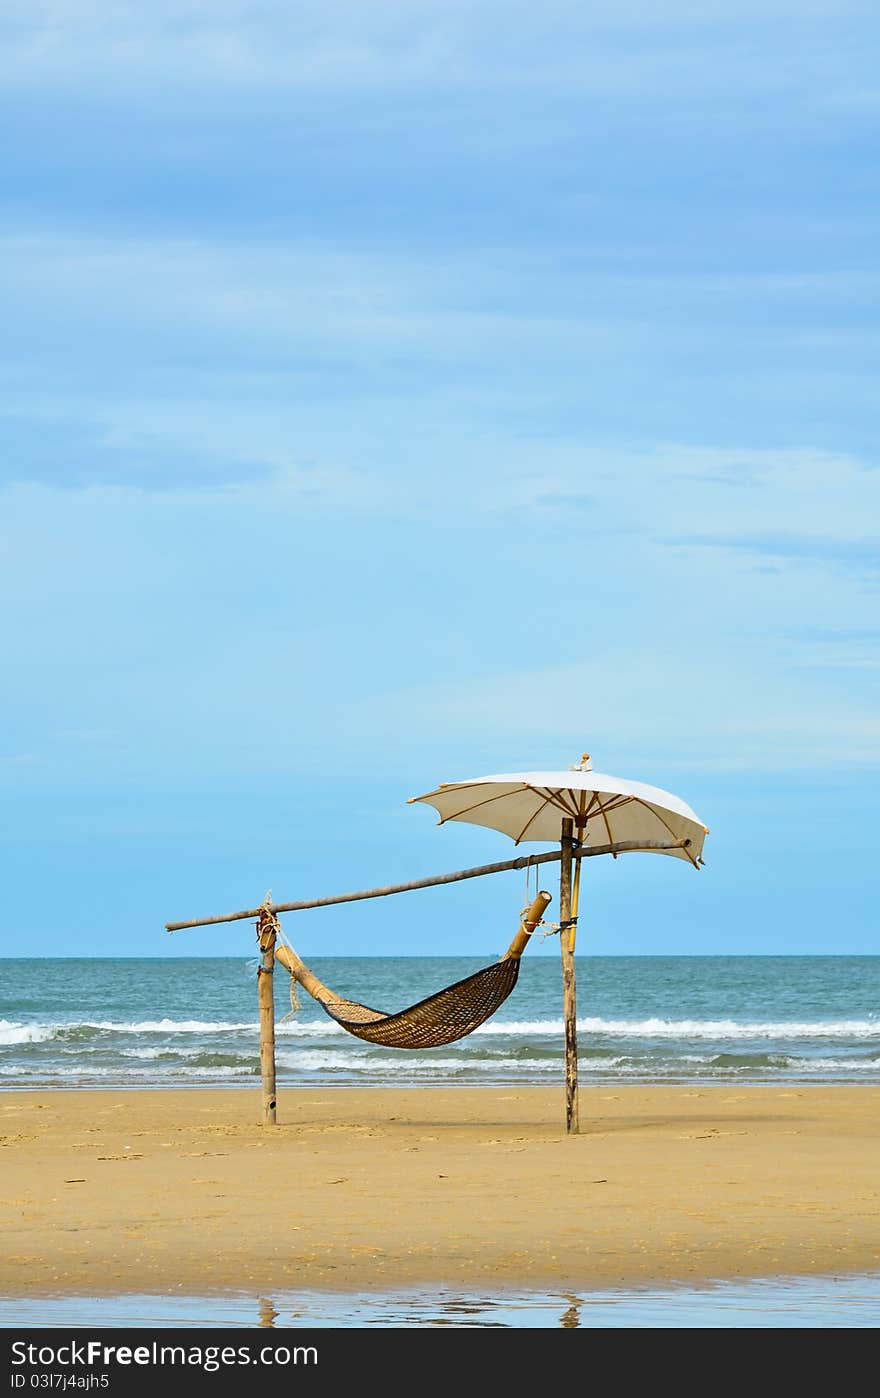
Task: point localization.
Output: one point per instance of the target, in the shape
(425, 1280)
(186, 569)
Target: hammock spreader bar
(450, 1014)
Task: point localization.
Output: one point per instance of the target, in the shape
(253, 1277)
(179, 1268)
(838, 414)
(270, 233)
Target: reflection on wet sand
(778, 1302)
(571, 1318)
(268, 1314)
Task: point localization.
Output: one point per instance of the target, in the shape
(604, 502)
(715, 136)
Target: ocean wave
(841, 1066)
(750, 1060)
(182, 1051)
(311, 1060)
(696, 1028)
(307, 1028)
(168, 1026)
(330, 1068)
(17, 1033)
(86, 1074)
(193, 1057)
(417, 1064)
(12, 1033)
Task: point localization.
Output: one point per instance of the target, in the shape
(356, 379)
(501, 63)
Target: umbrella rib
(605, 819)
(466, 810)
(664, 822)
(553, 797)
(590, 811)
(575, 805)
(617, 801)
(613, 805)
(534, 816)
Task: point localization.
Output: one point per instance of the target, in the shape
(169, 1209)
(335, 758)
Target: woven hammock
(450, 1014)
(442, 1018)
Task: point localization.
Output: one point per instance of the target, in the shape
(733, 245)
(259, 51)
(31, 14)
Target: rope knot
(267, 921)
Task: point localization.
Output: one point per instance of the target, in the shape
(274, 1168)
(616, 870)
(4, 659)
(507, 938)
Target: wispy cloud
(433, 46)
(810, 502)
(226, 359)
(704, 715)
(74, 455)
(857, 556)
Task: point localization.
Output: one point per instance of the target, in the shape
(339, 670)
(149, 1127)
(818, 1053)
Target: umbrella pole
(569, 996)
(266, 995)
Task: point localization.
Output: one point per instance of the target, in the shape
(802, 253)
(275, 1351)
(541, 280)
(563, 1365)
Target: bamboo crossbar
(581, 852)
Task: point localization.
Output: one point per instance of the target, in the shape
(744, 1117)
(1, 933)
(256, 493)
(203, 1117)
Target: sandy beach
(105, 1192)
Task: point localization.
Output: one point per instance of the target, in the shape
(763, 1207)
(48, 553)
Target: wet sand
(105, 1192)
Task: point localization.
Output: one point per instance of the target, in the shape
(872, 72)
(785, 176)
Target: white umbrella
(580, 808)
(532, 806)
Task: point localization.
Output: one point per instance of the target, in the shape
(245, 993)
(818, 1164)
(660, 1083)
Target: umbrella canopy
(604, 809)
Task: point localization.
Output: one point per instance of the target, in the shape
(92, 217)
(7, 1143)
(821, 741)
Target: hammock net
(442, 1018)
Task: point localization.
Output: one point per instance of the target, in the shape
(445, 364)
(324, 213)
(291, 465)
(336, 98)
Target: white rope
(295, 1005)
(530, 897)
(552, 930)
(552, 927)
(273, 922)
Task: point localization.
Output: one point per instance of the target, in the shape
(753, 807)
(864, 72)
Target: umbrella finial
(585, 765)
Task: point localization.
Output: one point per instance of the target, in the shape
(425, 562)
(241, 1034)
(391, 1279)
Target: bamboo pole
(578, 855)
(575, 901)
(569, 995)
(266, 996)
(584, 852)
(291, 962)
(531, 917)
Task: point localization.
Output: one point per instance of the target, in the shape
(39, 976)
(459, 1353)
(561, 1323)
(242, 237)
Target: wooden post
(569, 995)
(266, 995)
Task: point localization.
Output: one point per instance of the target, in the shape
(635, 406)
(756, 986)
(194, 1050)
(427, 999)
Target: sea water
(181, 1022)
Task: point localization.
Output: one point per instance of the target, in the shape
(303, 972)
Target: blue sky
(393, 393)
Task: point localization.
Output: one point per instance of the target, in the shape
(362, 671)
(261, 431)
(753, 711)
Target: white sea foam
(695, 1028)
(17, 1033)
(12, 1033)
(176, 1051)
(841, 1066)
(87, 1074)
(165, 1026)
(307, 1028)
(419, 1065)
